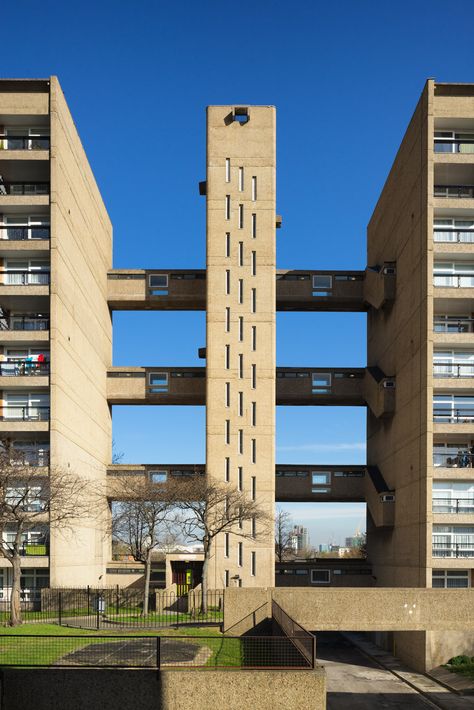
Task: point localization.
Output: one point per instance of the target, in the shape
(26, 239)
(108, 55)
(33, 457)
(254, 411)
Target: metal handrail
(25, 142)
(453, 505)
(462, 459)
(460, 191)
(22, 232)
(20, 323)
(28, 277)
(24, 188)
(458, 233)
(463, 325)
(452, 369)
(453, 142)
(454, 416)
(27, 414)
(30, 457)
(453, 549)
(456, 280)
(18, 367)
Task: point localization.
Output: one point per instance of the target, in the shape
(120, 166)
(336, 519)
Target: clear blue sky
(345, 78)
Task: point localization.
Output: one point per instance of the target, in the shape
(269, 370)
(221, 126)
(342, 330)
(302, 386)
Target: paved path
(357, 682)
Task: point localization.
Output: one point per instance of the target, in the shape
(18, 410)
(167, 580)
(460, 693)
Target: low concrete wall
(86, 689)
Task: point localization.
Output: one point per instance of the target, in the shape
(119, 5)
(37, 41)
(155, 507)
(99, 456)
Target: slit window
(254, 337)
(227, 169)
(227, 282)
(241, 290)
(253, 563)
(241, 179)
(321, 383)
(254, 263)
(241, 441)
(227, 319)
(241, 328)
(254, 451)
(241, 253)
(254, 413)
(157, 382)
(240, 479)
(254, 225)
(158, 284)
(241, 216)
(254, 526)
(322, 285)
(241, 404)
(158, 477)
(254, 376)
(227, 469)
(253, 303)
(227, 431)
(254, 188)
(253, 487)
(226, 544)
(240, 554)
(227, 394)
(227, 357)
(227, 244)
(241, 366)
(227, 206)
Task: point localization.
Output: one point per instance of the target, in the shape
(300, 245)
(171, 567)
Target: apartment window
(254, 188)
(320, 576)
(241, 441)
(240, 554)
(254, 451)
(253, 487)
(227, 244)
(253, 563)
(158, 284)
(322, 285)
(227, 469)
(158, 476)
(241, 328)
(227, 281)
(227, 319)
(454, 230)
(254, 226)
(320, 478)
(157, 382)
(241, 366)
(254, 526)
(241, 216)
(227, 357)
(254, 263)
(241, 179)
(241, 253)
(254, 414)
(227, 169)
(227, 577)
(321, 383)
(254, 337)
(226, 544)
(254, 377)
(227, 206)
(227, 431)
(241, 290)
(253, 303)
(450, 579)
(227, 394)
(240, 479)
(241, 404)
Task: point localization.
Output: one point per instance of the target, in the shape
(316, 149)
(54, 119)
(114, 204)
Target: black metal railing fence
(302, 640)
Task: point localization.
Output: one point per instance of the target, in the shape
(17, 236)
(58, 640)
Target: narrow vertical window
(254, 413)
(254, 263)
(227, 206)
(254, 526)
(227, 244)
(226, 544)
(240, 483)
(241, 216)
(227, 469)
(253, 564)
(227, 319)
(241, 404)
(227, 577)
(254, 337)
(241, 179)
(227, 169)
(227, 357)
(254, 376)
(241, 521)
(227, 394)
(253, 302)
(253, 487)
(227, 431)
(241, 253)
(241, 366)
(240, 553)
(241, 328)
(241, 290)
(254, 451)
(254, 188)
(241, 441)
(227, 281)
(254, 226)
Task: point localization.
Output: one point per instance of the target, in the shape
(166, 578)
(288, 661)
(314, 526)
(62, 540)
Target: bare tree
(208, 509)
(32, 502)
(283, 534)
(141, 521)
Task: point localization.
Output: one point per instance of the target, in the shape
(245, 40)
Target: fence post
(60, 608)
(97, 612)
(117, 599)
(313, 654)
(158, 652)
(88, 600)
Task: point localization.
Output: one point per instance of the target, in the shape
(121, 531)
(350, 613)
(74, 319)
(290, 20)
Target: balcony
(460, 459)
(34, 457)
(452, 369)
(453, 324)
(454, 415)
(23, 368)
(444, 235)
(22, 140)
(454, 506)
(453, 549)
(34, 549)
(446, 279)
(22, 189)
(13, 414)
(24, 232)
(453, 142)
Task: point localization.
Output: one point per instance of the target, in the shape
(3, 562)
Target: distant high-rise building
(299, 538)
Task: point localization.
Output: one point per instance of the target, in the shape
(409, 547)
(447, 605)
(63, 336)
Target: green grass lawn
(18, 651)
